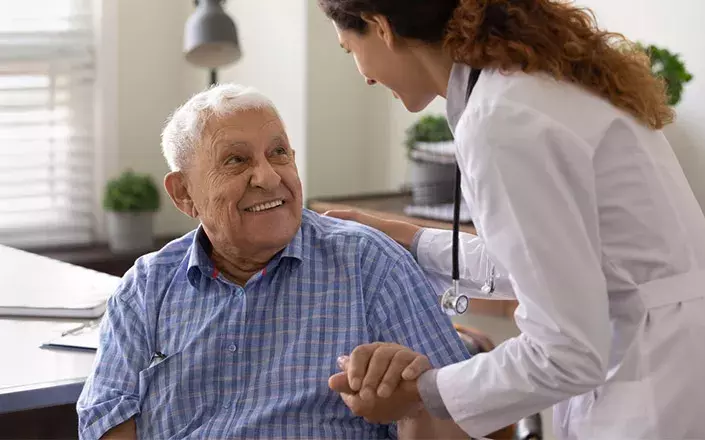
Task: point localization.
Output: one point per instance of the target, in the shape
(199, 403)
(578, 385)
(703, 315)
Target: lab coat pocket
(622, 410)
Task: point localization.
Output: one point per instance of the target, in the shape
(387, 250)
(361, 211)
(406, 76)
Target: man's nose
(264, 176)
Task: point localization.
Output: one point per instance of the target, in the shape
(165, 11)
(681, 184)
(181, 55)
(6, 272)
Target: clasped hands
(378, 382)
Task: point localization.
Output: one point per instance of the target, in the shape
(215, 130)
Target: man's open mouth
(265, 206)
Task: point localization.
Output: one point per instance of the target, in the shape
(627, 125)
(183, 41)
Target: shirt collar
(200, 261)
(199, 258)
(455, 94)
(295, 248)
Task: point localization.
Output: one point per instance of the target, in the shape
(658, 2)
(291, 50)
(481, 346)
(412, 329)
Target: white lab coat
(596, 232)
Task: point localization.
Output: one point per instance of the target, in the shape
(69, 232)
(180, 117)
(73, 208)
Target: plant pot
(432, 183)
(130, 232)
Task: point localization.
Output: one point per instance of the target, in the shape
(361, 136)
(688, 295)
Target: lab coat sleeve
(433, 251)
(532, 185)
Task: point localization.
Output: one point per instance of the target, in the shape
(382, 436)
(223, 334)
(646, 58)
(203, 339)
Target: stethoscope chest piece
(454, 303)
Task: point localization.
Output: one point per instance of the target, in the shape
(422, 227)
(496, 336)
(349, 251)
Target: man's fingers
(420, 365)
(343, 363)
(357, 364)
(379, 362)
(339, 383)
(392, 377)
(358, 406)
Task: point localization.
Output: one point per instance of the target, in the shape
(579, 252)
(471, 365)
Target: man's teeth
(265, 206)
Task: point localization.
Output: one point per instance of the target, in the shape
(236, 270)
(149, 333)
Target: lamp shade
(210, 37)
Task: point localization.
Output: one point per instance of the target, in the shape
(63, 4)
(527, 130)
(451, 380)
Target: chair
(528, 428)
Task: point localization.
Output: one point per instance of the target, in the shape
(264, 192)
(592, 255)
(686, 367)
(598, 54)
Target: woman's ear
(379, 24)
(177, 188)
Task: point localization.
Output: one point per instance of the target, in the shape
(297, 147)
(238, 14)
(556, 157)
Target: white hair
(184, 128)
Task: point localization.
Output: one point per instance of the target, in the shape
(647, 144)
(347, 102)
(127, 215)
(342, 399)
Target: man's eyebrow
(278, 137)
(233, 144)
(224, 147)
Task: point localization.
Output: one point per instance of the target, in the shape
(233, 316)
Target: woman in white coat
(578, 201)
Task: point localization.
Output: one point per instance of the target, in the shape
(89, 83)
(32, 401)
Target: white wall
(152, 80)
(678, 26)
(338, 102)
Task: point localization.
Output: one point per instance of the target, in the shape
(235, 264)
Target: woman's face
(385, 58)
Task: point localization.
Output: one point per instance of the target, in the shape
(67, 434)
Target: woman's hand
(401, 232)
(378, 381)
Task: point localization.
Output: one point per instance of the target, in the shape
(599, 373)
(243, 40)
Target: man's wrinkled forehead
(244, 125)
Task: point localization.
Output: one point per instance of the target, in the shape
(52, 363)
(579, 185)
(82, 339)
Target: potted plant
(130, 202)
(669, 66)
(430, 148)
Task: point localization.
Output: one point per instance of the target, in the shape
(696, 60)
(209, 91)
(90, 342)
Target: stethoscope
(453, 301)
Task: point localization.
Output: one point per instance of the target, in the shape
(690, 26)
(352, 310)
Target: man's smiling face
(244, 182)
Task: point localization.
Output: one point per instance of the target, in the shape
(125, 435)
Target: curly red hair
(563, 41)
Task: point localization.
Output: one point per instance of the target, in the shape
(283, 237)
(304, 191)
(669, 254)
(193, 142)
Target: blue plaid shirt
(253, 361)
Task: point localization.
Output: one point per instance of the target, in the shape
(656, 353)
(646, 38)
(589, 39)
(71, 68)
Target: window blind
(47, 72)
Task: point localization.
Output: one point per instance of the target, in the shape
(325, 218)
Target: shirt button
(232, 347)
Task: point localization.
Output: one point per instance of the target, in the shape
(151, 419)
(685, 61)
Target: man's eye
(281, 151)
(236, 160)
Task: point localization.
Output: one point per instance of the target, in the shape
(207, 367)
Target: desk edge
(40, 395)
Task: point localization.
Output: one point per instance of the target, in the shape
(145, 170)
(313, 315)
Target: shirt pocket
(161, 408)
(159, 379)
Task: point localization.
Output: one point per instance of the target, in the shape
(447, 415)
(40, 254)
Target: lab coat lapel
(455, 94)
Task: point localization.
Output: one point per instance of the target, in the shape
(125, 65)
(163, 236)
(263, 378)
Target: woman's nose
(371, 82)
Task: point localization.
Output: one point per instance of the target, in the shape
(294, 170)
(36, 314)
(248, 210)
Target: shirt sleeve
(110, 395)
(533, 190)
(406, 311)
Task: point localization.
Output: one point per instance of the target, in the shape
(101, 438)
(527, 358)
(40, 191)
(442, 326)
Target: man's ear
(177, 188)
(380, 25)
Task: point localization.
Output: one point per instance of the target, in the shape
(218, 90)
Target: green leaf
(671, 68)
(131, 192)
(430, 128)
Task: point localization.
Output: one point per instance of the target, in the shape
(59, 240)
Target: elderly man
(234, 329)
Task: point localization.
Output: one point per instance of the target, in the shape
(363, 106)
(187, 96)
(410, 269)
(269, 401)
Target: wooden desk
(391, 206)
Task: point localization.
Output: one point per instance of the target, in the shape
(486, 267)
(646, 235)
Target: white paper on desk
(52, 289)
(87, 339)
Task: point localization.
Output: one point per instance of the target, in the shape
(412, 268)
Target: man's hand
(378, 368)
(378, 382)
